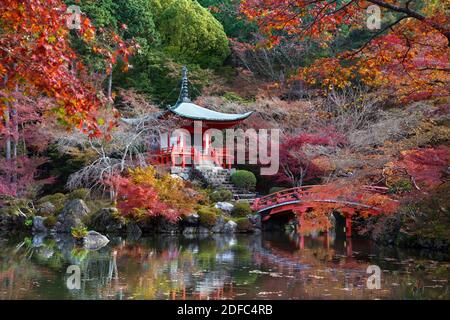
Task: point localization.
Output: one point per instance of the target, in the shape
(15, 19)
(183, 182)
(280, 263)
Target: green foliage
(244, 225)
(400, 186)
(190, 33)
(79, 232)
(244, 179)
(234, 97)
(28, 223)
(276, 189)
(241, 209)
(227, 12)
(82, 194)
(221, 195)
(207, 216)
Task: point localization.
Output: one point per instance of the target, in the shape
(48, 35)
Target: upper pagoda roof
(185, 108)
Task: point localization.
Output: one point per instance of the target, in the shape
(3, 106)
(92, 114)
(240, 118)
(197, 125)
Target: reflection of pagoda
(181, 149)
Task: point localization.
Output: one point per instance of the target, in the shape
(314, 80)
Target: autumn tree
(143, 193)
(304, 157)
(408, 54)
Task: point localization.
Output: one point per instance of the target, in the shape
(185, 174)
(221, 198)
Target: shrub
(244, 179)
(241, 209)
(82, 194)
(79, 232)
(275, 189)
(221, 195)
(244, 225)
(207, 216)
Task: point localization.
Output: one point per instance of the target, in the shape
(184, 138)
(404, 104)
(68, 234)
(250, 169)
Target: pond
(267, 266)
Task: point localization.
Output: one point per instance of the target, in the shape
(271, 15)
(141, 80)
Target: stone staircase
(220, 178)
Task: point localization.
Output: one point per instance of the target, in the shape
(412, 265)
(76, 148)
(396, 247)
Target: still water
(268, 266)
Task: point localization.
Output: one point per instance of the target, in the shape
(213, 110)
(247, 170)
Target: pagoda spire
(184, 94)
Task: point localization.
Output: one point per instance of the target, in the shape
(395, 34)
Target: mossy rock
(207, 216)
(50, 222)
(82, 194)
(57, 199)
(244, 225)
(241, 209)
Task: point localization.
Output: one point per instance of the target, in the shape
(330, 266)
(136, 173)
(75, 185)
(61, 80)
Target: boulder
(203, 230)
(107, 220)
(219, 225)
(71, 216)
(189, 230)
(224, 206)
(38, 225)
(230, 227)
(255, 219)
(192, 219)
(46, 208)
(94, 240)
(166, 226)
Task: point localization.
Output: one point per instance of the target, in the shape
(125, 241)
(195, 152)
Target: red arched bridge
(299, 200)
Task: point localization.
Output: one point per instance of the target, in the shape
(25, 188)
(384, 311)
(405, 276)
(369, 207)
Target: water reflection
(268, 266)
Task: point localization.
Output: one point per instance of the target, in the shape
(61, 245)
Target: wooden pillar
(348, 226)
(349, 247)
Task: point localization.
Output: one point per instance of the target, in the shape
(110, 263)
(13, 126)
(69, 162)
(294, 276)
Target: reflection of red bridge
(301, 199)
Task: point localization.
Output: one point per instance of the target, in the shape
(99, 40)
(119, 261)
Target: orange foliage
(409, 56)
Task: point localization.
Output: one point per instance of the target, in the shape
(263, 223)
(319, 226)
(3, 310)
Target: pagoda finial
(184, 95)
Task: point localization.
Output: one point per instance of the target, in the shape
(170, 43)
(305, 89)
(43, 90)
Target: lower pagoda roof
(189, 110)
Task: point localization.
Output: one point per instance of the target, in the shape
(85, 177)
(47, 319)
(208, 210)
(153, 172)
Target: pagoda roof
(189, 110)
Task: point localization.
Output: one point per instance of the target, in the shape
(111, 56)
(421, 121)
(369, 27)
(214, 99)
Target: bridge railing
(293, 194)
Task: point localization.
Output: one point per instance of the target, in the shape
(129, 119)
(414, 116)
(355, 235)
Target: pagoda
(180, 152)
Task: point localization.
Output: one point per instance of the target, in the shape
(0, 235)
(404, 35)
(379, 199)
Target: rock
(38, 225)
(192, 219)
(133, 231)
(219, 225)
(255, 219)
(71, 216)
(38, 240)
(230, 227)
(224, 206)
(107, 220)
(46, 209)
(165, 226)
(189, 230)
(203, 230)
(94, 240)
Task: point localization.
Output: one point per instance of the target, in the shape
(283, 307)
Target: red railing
(293, 194)
(183, 157)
